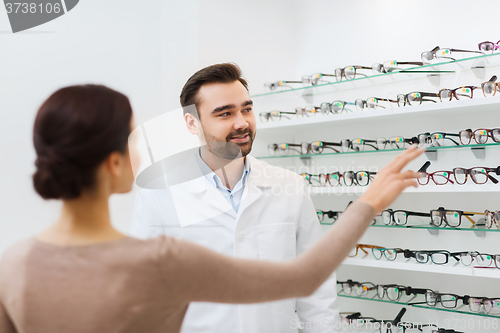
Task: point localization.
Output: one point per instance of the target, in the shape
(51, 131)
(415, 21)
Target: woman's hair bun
(75, 130)
(58, 178)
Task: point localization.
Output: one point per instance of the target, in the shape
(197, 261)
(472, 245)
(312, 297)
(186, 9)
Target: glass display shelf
(442, 66)
(430, 188)
(425, 227)
(423, 306)
(409, 265)
(455, 108)
(430, 149)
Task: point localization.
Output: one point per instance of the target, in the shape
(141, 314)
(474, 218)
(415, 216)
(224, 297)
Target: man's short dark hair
(219, 73)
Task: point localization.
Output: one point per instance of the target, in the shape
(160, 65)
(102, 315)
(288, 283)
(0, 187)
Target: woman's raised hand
(390, 181)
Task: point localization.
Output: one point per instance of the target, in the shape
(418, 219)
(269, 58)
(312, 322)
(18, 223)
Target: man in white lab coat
(225, 199)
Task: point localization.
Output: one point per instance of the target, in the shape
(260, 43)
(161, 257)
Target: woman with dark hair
(82, 275)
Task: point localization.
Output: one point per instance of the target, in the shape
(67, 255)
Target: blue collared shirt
(234, 196)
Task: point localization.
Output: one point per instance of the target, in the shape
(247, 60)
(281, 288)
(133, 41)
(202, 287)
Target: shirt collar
(214, 179)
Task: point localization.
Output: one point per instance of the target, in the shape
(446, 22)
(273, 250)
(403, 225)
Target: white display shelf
(493, 273)
(350, 190)
(478, 104)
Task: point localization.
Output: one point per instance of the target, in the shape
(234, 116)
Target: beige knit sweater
(132, 285)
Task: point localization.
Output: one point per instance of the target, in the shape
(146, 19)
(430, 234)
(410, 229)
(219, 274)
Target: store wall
(147, 52)
(334, 34)
(112, 43)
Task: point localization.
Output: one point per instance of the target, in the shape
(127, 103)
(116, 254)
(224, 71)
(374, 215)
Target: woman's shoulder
(126, 247)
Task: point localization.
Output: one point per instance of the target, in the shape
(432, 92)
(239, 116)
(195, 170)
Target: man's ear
(192, 124)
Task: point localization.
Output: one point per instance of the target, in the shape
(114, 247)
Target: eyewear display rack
(388, 121)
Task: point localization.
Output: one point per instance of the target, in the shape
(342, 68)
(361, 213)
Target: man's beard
(230, 150)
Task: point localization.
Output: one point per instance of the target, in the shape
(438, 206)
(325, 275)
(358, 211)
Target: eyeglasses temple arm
(458, 50)
(418, 63)
(387, 100)
(450, 134)
(457, 255)
(399, 316)
(424, 167)
(471, 220)
(428, 94)
(416, 291)
(493, 179)
(336, 144)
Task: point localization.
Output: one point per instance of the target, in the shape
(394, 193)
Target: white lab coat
(276, 221)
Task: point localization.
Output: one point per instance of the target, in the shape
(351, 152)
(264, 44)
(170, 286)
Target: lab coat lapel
(255, 185)
(195, 199)
(214, 198)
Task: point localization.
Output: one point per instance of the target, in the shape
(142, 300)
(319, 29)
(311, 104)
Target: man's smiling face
(226, 115)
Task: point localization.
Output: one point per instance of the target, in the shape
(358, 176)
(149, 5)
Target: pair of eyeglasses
(363, 248)
(307, 111)
(359, 288)
(349, 178)
(399, 217)
(396, 142)
(315, 79)
(395, 291)
(449, 301)
(490, 305)
(479, 176)
(371, 103)
(357, 144)
(464, 92)
(392, 66)
(438, 257)
(415, 98)
(389, 253)
(349, 72)
(315, 147)
(490, 87)
(439, 53)
(436, 139)
(480, 136)
(266, 116)
(477, 259)
(492, 218)
(392, 291)
(335, 107)
(488, 47)
(451, 218)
